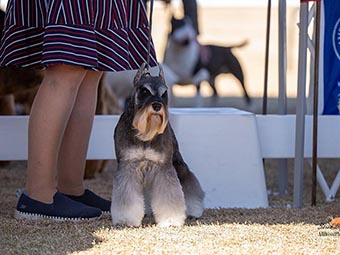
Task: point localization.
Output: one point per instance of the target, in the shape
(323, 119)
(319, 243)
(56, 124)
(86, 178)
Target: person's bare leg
(72, 155)
(50, 113)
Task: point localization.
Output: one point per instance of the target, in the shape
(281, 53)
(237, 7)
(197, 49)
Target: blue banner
(331, 59)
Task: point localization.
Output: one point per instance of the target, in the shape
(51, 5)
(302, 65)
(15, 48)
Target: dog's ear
(139, 74)
(161, 73)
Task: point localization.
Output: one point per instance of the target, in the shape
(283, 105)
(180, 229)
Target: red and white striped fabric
(105, 35)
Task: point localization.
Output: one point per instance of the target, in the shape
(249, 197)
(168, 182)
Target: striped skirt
(104, 35)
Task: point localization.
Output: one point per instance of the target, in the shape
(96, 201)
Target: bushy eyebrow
(162, 89)
(148, 87)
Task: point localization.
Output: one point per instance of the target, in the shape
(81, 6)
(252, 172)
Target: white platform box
(221, 147)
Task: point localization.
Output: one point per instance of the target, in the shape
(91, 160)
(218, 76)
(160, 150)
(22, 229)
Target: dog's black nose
(186, 42)
(157, 106)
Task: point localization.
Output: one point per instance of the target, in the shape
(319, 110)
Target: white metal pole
(301, 107)
(282, 101)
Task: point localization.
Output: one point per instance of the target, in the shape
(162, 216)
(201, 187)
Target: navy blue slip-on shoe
(62, 209)
(91, 199)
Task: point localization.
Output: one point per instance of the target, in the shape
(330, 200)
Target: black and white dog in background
(185, 62)
(194, 63)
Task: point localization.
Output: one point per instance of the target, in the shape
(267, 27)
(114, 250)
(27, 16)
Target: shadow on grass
(268, 216)
(20, 237)
(43, 237)
(264, 216)
(24, 237)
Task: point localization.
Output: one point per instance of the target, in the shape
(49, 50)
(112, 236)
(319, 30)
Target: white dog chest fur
(139, 153)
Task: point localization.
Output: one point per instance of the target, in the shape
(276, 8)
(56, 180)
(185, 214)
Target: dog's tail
(240, 45)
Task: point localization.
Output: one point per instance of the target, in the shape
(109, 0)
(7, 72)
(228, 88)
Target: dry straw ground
(275, 230)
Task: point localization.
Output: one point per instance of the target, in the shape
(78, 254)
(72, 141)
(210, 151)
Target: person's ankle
(72, 190)
(41, 195)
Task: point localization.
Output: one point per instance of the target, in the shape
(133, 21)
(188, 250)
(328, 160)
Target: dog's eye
(165, 95)
(145, 92)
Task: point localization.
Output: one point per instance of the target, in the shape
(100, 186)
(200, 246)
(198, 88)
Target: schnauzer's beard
(150, 123)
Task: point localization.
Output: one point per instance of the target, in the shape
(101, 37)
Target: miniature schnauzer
(151, 173)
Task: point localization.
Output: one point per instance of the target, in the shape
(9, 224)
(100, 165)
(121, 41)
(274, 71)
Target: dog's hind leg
(127, 206)
(236, 69)
(167, 198)
(193, 193)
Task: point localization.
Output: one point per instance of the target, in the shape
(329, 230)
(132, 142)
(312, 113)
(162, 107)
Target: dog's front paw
(123, 221)
(131, 216)
(171, 221)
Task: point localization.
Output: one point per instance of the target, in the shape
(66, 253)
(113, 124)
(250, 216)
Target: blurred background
(229, 22)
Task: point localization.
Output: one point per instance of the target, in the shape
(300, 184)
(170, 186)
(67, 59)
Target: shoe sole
(36, 217)
(106, 215)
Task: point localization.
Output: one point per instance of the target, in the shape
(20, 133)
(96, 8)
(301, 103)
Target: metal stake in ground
(315, 104)
(265, 89)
